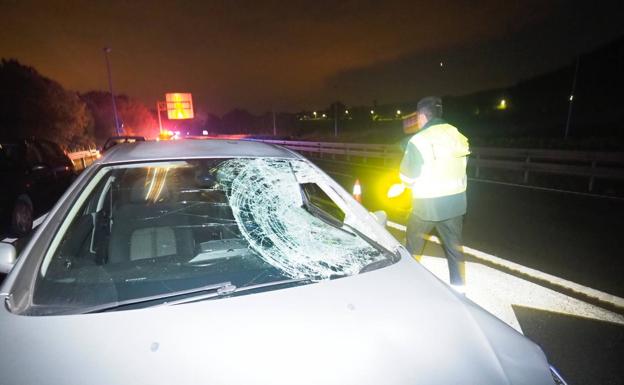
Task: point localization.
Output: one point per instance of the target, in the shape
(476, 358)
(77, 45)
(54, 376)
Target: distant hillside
(534, 112)
(538, 107)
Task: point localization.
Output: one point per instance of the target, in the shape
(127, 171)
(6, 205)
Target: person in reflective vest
(434, 168)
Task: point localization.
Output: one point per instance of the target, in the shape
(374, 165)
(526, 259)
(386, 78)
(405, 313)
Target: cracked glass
(153, 229)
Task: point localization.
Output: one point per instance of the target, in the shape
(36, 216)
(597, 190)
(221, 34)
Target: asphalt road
(584, 342)
(584, 351)
(575, 237)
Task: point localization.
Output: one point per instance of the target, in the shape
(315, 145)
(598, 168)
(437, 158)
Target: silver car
(226, 262)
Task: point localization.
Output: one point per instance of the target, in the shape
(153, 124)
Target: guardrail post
(83, 163)
(526, 170)
(477, 169)
(591, 177)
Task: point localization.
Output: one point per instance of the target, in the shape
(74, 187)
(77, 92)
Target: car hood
(396, 325)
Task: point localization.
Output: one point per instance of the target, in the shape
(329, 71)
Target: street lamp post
(571, 99)
(160, 106)
(110, 87)
(336, 119)
(274, 125)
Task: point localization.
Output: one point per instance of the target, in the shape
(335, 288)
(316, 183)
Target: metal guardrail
(587, 164)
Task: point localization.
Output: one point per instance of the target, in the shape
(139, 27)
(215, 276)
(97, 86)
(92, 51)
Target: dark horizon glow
(268, 54)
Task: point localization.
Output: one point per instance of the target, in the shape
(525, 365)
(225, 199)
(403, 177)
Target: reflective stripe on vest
(444, 151)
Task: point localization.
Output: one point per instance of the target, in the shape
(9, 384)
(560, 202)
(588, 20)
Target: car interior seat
(143, 228)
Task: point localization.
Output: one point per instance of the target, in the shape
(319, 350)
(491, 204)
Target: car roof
(193, 149)
(18, 140)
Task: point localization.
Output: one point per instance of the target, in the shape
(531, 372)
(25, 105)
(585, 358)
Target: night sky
(295, 55)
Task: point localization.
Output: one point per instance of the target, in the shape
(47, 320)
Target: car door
(10, 179)
(60, 166)
(41, 188)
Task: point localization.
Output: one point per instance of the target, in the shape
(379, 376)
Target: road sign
(410, 123)
(179, 106)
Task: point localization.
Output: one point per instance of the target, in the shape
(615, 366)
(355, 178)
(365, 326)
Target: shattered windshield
(144, 230)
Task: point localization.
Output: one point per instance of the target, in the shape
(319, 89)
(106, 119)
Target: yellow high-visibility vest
(444, 151)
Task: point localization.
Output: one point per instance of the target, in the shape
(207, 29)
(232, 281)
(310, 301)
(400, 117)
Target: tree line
(32, 105)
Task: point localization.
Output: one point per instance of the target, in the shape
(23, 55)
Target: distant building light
(502, 105)
(372, 112)
(398, 112)
(324, 115)
(314, 113)
(347, 112)
(441, 64)
(205, 132)
(571, 97)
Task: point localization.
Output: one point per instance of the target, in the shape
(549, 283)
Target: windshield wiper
(236, 290)
(222, 288)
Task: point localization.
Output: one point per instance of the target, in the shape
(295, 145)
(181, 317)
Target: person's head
(428, 108)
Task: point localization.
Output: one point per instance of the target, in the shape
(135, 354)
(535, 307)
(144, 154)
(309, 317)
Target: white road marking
(497, 291)
(569, 285)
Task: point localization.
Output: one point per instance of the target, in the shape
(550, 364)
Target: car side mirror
(380, 217)
(8, 256)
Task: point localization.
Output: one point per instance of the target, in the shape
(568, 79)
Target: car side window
(50, 150)
(8, 156)
(33, 155)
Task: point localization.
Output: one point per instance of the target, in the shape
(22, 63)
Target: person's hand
(395, 190)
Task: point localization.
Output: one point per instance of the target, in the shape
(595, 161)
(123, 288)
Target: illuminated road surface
(497, 291)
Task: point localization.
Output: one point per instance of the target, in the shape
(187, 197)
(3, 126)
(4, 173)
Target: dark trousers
(450, 231)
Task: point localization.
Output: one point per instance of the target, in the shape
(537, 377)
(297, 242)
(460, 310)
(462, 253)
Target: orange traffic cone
(357, 191)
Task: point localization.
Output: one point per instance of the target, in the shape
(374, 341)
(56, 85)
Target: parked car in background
(233, 262)
(33, 175)
(115, 140)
